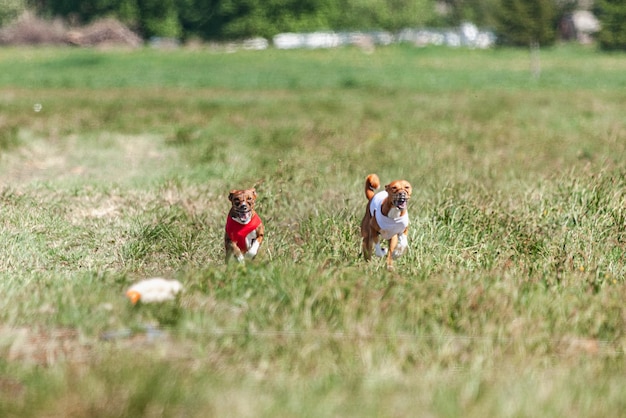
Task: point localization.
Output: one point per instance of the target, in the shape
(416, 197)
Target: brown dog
(244, 229)
(385, 217)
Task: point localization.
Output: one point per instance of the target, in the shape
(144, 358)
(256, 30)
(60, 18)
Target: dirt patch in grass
(29, 29)
(108, 158)
(50, 346)
(43, 347)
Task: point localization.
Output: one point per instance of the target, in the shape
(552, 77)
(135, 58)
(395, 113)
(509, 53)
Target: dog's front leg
(254, 240)
(253, 250)
(233, 251)
(378, 250)
(403, 243)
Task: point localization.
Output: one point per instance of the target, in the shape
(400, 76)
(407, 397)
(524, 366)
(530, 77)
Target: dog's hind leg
(367, 249)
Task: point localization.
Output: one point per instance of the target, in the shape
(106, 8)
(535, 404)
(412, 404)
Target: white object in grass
(152, 290)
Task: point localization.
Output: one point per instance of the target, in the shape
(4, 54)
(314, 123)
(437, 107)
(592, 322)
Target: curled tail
(371, 184)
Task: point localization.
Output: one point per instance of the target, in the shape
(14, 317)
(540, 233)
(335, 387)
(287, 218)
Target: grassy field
(116, 165)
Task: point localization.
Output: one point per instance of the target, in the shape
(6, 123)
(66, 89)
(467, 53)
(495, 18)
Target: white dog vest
(388, 226)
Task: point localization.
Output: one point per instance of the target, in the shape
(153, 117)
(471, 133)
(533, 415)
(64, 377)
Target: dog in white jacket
(386, 217)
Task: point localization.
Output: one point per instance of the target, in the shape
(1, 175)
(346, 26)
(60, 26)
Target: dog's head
(242, 204)
(399, 192)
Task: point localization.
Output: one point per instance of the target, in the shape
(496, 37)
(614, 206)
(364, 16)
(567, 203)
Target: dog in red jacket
(244, 229)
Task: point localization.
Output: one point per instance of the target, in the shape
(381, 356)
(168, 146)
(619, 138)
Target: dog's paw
(380, 252)
(240, 258)
(397, 252)
(254, 249)
(402, 245)
(403, 241)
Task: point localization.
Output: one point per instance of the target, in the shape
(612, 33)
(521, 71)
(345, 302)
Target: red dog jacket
(238, 232)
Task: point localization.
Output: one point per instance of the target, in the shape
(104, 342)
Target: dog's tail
(371, 184)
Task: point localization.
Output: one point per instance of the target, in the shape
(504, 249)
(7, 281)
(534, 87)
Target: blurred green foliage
(516, 22)
(613, 31)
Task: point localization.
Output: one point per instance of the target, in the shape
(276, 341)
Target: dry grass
(30, 30)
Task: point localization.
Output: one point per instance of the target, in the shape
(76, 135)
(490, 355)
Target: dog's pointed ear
(231, 195)
(253, 190)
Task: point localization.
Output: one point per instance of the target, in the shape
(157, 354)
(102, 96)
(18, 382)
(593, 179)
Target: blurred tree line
(516, 22)
(233, 19)
(612, 15)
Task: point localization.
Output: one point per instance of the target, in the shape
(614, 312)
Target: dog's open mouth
(243, 217)
(400, 202)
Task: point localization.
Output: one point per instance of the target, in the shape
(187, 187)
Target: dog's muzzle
(400, 200)
(242, 215)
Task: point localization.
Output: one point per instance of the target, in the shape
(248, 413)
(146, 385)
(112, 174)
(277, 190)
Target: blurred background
(259, 24)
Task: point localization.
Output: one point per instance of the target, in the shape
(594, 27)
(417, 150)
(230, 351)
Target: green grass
(389, 69)
(508, 303)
